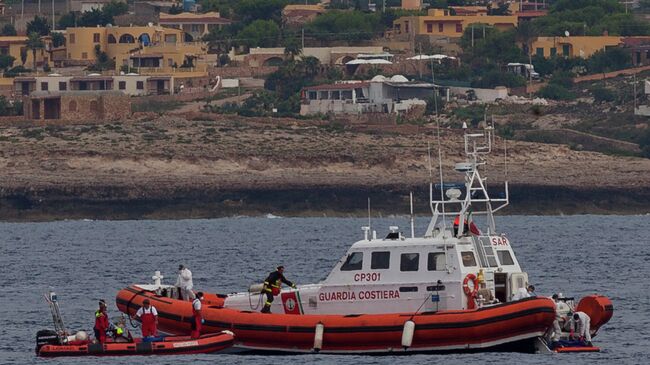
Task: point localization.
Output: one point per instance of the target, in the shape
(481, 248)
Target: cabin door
(517, 281)
(501, 287)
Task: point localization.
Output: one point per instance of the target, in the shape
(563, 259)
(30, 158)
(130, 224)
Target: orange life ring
(471, 293)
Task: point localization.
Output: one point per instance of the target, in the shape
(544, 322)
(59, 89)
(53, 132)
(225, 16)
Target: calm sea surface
(88, 260)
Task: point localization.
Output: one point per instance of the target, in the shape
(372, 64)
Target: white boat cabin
(447, 269)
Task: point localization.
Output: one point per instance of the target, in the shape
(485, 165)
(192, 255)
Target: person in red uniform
(197, 317)
(101, 322)
(148, 315)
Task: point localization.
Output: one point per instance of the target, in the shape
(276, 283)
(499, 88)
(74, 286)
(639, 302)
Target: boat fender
(471, 293)
(318, 337)
(228, 332)
(407, 334)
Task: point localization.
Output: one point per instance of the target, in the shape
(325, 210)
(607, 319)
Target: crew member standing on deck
(272, 286)
(184, 283)
(580, 325)
(101, 322)
(149, 317)
(197, 316)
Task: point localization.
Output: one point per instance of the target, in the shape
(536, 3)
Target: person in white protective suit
(561, 309)
(184, 282)
(527, 292)
(580, 324)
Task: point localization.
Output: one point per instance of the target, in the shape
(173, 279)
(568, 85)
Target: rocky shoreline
(169, 168)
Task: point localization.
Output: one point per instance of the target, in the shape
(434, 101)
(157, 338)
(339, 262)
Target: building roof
(56, 94)
(303, 7)
(341, 86)
(13, 39)
(191, 18)
(91, 78)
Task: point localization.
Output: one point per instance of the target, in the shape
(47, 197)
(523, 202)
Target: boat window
(353, 262)
(408, 289)
(468, 258)
(505, 258)
(380, 260)
(409, 262)
(436, 261)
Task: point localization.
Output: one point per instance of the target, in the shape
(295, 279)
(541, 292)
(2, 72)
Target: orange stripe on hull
(446, 330)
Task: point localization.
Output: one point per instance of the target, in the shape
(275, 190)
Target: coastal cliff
(170, 167)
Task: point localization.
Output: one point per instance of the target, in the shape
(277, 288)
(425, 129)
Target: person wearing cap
(580, 325)
(184, 283)
(272, 286)
(197, 316)
(148, 315)
(101, 322)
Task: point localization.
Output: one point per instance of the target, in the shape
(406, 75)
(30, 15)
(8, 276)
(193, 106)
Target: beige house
(131, 85)
(194, 25)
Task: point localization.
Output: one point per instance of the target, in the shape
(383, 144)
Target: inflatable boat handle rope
(259, 301)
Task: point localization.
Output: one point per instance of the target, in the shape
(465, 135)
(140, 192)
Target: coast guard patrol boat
(457, 288)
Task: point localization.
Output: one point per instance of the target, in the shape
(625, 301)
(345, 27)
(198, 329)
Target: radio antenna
(412, 218)
(369, 226)
(442, 184)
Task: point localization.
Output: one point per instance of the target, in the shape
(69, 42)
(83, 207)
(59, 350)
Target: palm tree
(292, 49)
(34, 43)
(311, 65)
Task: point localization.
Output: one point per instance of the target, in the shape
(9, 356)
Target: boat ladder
(485, 250)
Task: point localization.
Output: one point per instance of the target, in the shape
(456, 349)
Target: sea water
(84, 261)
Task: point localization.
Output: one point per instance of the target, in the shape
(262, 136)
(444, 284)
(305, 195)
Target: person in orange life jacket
(457, 223)
(272, 286)
(101, 322)
(197, 316)
(148, 315)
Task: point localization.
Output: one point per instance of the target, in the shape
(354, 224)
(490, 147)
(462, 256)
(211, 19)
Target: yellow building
(581, 46)
(16, 45)
(153, 47)
(439, 22)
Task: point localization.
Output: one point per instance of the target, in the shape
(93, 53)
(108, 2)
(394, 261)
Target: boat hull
(446, 331)
(176, 345)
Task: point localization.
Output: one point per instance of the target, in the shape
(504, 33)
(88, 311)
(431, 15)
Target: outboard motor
(46, 337)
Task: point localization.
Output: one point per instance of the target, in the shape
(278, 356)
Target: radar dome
(378, 78)
(399, 78)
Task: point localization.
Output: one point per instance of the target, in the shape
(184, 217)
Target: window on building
(139, 85)
(553, 51)
(170, 38)
(63, 86)
(336, 95)
(4, 51)
(505, 258)
(436, 261)
(647, 55)
(84, 55)
(346, 94)
(354, 261)
(44, 86)
(312, 95)
(468, 258)
(566, 50)
(406, 26)
(429, 27)
(170, 62)
(324, 95)
(441, 27)
(195, 28)
(72, 38)
(380, 260)
(459, 28)
(409, 262)
(95, 37)
(539, 51)
(121, 85)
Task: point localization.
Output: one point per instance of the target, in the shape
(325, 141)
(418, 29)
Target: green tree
(292, 49)
(94, 18)
(176, 9)
(6, 61)
(34, 43)
(68, 20)
(38, 25)
(115, 8)
(260, 33)
(58, 39)
(609, 60)
(253, 10)
(8, 29)
(351, 26)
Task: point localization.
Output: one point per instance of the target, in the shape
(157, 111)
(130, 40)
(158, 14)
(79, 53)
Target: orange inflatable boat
(510, 326)
(173, 345)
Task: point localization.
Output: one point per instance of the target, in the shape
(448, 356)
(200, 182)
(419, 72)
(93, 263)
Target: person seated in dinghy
(272, 286)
